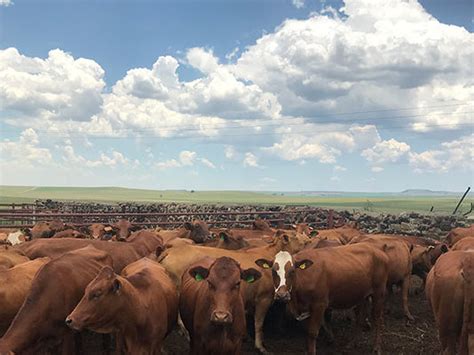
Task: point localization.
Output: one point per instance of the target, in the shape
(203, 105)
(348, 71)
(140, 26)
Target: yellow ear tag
(303, 266)
(266, 266)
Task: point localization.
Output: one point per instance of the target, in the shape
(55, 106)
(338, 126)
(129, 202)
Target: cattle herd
(135, 286)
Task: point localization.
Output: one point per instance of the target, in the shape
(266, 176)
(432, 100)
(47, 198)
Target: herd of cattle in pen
(136, 285)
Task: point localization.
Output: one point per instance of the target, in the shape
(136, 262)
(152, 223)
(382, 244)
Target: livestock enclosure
(283, 334)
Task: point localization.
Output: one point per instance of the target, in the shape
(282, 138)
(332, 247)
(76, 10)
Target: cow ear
(250, 275)
(188, 226)
(108, 272)
(264, 264)
(199, 273)
(430, 248)
(116, 285)
(313, 233)
(159, 249)
(303, 264)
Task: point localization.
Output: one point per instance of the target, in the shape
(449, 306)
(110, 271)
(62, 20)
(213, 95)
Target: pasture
(370, 202)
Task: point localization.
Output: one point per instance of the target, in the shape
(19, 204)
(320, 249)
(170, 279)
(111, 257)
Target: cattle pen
(26, 215)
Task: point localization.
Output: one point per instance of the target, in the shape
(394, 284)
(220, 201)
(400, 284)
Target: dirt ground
(419, 337)
(288, 337)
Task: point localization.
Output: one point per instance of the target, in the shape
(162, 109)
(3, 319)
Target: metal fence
(26, 215)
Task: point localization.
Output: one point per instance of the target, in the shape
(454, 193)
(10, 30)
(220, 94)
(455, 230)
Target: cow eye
(211, 286)
(237, 285)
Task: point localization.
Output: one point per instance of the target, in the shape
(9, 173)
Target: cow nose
(221, 317)
(283, 296)
(68, 321)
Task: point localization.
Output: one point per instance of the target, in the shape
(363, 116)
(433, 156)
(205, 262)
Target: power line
(168, 129)
(315, 129)
(309, 119)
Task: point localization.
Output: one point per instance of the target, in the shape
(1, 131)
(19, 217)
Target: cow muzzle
(282, 294)
(221, 317)
(72, 324)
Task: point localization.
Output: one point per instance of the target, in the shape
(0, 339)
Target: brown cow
(323, 242)
(198, 231)
(99, 231)
(46, 229)
(464, 244)
(122, 253)
(56, 289)
(14, 286)
(123, 228)
(344, 277)
(226, 240)
(10, 257)
(262, 225)
(343, 234)
(459, 233)
(142, 305)
(450, 292)
(400, 263)
(212, 306)
(69, 233)
(304, 228)
(259, 296)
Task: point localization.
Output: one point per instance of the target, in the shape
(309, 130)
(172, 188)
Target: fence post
(331, 219)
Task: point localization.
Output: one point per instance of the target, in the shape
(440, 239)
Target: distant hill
(426, 192)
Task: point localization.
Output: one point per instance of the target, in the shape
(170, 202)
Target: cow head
(98, 230)
(283, 273)
(261, 224)
(290, 241)
(46, 229)
(226, 240)
(222, 280)
(304, 228)
(100, 303)
(198, 231)
(123, 228)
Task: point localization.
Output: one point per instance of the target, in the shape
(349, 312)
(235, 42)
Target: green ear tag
(222, 237)
(198, 277)
(303, 266)
(250, 279)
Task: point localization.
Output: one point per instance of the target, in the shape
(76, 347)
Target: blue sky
(360, 95)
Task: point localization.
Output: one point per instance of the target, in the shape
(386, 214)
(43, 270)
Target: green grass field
(371, 202)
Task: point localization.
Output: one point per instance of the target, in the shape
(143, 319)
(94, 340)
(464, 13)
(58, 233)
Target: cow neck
(129, 319)
(273, 248)
(169, 235)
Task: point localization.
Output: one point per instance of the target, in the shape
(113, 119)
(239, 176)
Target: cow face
(222, 280)
(99, 304)
(98, 230)
(305, 229)
(122, 229)
(283, 273)
(45, 229)
(199, 231)
(291, 241)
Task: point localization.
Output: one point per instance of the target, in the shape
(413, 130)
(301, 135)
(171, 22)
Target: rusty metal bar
(146, 214)
(461, 200)
(331, 219)
(143, 223)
